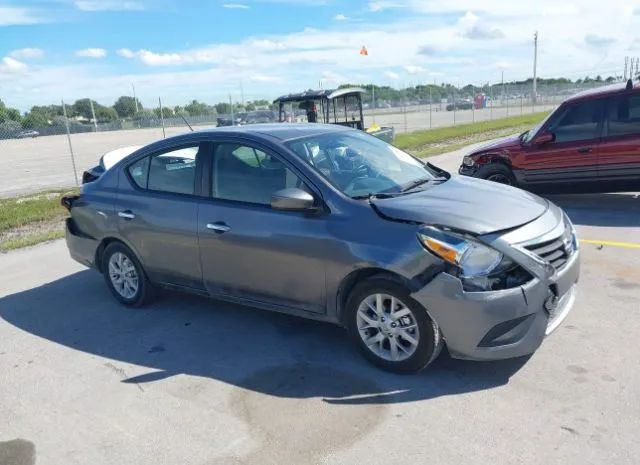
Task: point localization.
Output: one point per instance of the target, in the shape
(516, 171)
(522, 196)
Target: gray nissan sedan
(330, 223)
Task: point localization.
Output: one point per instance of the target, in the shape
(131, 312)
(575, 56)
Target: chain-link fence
(52, 146)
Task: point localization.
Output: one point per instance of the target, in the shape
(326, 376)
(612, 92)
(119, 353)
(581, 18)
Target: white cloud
(11, 16)
(235, 6)
(160, 59)
(381, 5)
(126, 53)
(108, 5)
(332, 77)
(27, 53)
(472, 28)
(392, 75)
(414, 69)
(264, 78)
(91, 53)
(595, 40)
(340, 17)
(10, 65)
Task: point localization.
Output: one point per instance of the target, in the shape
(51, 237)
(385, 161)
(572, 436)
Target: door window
(173, 171)
(246, 174)
(623, 116)
(578, 122)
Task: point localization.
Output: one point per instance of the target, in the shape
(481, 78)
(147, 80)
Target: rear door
(620, 147)
(250, 251)
(573, 155)
(158, 212)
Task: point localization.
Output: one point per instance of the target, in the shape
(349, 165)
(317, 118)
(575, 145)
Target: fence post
(521, 97)
(404, 110)
(454, 106)
(161, 118)
(430, 107)
(73, 160)
(492, 102)
(507, 99)
(93, 113)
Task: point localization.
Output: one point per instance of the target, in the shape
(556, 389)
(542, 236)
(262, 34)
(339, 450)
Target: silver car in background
(332, 224)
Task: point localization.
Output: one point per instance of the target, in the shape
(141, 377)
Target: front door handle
(127, 215)
(218, 227)
(584, 150)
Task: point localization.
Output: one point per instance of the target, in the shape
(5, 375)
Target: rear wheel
(499, 173)
(390, 328)
(124, 275)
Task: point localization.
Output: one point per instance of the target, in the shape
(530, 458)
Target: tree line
(129, 108)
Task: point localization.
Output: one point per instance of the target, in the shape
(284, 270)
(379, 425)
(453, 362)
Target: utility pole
(233, 120)
(134, 97)
(503, 86)
(241, 93)
(93, 114)
(626, 62)
(631, 68)
(535, 66)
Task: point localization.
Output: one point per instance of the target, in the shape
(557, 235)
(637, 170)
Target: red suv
(591, 142)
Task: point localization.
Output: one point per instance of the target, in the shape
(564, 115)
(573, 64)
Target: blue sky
(209, 49)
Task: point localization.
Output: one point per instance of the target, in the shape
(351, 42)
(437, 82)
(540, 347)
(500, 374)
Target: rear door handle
(127, 215)
(218, 227)
(584, 150)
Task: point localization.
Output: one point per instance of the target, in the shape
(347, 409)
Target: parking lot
(32, 165)
(194, 381)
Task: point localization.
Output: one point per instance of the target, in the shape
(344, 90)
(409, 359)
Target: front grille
(556, 251)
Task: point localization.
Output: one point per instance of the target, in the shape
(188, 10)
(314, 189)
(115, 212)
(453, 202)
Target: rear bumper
(81, 247)
(499, 324)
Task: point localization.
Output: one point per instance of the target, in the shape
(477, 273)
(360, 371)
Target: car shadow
(270, 353)
(601, 209)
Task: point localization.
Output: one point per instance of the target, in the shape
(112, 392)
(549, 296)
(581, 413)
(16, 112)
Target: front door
(250, 251)
(620, 148)
(573, 155)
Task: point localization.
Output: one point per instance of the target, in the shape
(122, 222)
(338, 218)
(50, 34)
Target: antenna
(186, 122)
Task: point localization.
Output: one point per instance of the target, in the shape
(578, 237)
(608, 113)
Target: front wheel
(497, 172)
(391, 329)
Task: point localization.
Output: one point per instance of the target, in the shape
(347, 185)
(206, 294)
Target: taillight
(67, 201)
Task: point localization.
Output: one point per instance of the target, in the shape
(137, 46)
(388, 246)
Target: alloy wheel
(388, 327)
(123, 275)
(500, 178)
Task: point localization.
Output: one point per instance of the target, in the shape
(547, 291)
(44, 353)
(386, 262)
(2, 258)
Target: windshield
(359, 164)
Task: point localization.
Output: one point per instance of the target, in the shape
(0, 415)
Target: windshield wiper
(414, 184)
(377, 195)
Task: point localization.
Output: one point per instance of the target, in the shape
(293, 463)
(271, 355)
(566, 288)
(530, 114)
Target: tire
(121, 270)
(410, 358)
(497, 172)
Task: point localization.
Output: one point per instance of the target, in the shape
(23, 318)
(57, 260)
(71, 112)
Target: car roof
(280, 131)
(603, 91)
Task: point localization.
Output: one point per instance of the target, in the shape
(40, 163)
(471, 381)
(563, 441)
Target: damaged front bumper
(504, 323)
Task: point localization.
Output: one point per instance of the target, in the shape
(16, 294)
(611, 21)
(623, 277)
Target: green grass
(440, 140)
(28, 239)
(21, 211)
(30, 219)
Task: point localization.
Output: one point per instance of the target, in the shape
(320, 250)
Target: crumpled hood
(505, 143)
(467, 204)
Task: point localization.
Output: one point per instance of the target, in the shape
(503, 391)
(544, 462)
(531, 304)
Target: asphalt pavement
(190, 380)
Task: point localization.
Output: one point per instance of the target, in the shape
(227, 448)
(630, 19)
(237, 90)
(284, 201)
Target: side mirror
(292, 199)
(545, 138)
